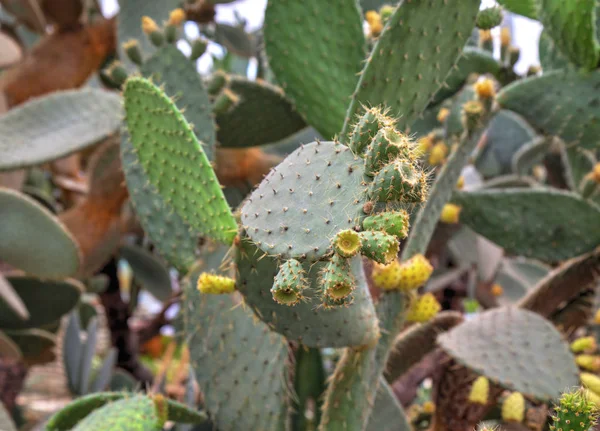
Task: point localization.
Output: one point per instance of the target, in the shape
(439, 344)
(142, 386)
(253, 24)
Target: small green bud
(489, 18)
(133, 51)
(198, 49)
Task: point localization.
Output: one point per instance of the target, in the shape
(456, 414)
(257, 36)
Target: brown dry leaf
(61, 61)
(242, 167)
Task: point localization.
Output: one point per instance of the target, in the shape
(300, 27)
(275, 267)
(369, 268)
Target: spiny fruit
(423, 308)
(575, 412)
(347, 243)
(387, 277)
(588, 362)
(414, 273)
(367, 126)
(387, 145)
(489, 18)
(480, 391)
(472, 111)
(289, 283)
(583, 344)
(438, 154)
(513, 408)
(391, 222)
(379, 246)
(399, 181)
(337, 279)
(450, 214)
(215, 284)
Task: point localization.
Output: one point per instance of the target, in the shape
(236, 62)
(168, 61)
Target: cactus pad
(47, 301)
(302, 204)
(573, 114)
(54, 126)
(33, 239)
(128, 414)
(575, 412)
(314, 326)
(169, 67)
(532, 223)
(262, 115)
(239, 363)
(315, 50)
(515, 348)
(412, 57)
(174, 162)
(526, 8)
(572, 25)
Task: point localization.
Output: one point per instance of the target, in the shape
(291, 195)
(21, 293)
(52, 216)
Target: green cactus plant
(574, 412)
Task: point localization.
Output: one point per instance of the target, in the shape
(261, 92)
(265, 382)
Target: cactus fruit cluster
(390, 228)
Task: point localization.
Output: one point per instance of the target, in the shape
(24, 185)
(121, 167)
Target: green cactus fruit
(262, 115)
(225, 101)
(314, 326)
(289, 283)
(572, 26)
(394, 223)
(46, 300)
(315, 50)
(542, 101)
(198, 48)
(305, 201)
(117, 74)
(217, 82)
(337, 279)
(574, 412)
(509, 346)
(33, 239)
(400, 181)
(347, 243)
(414, 47)
(379, 246)
(50, 127)
(174, 161)
(386, 146)
(133, 51)
(178, 77)
(366, 127)
(489, 18)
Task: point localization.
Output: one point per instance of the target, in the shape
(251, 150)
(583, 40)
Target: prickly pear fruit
(450, 214)
(215, 284)
(583, 344)
(400, 181)
(289, 283)
(480, 391)
(379, 246)
(347, 243)
(391, 222)
(387, 145)
(575, 412)
(414, 272)
(513, 408)
(423, 308)
(366, 128)
(337, 279)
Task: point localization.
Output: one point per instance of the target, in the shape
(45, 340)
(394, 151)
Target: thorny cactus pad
(574, 412)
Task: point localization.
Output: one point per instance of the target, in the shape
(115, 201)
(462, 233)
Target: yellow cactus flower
(485, 88)
(583, 344)
(423, 308)
(443, 115)
(149, 26)
(387, 277)
(591, 382)
(375, 23)
(480, 391)
(588, 362)
(215, 284)
(438, 154)
(497, 290)
(428, 407)
(176, 17)
(450, 214)
(513, 408)
(505, 36)
(414, 273)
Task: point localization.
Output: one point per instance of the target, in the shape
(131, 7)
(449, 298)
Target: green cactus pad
(400, 180)
(386, 146)
(262, 115)
(574, 412)
(454, 123)
(517, 276)
(127, 414)
(239, 363)
(57, 125)
(577, 163)
(473, 60)
(32, 342)
(301, 205)
(550, 56)
(46, 300)
(315, 50)
(526, 8)
(129, 22)
(572, 26)
(314, 326)
(530, 154)
(173, 237)
(515, 348)
(387, 412)
(547, 106)
(545, 224)
(506, 134)
(391, 222)
(174, 162)
(337, 279)
(33, 239)
(412, 57)
(379, 246)
(168, 67)
(149, 271)
(289, 283)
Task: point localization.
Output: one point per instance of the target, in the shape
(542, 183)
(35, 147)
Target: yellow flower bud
(480, 390)
(588, 362)
(215, 284)
(485, 88)
(450, 214)
(176, 17)
(583, 344)
(513, 408)
(375, 23)
(423, 308)
(438, 154)
(149, 26)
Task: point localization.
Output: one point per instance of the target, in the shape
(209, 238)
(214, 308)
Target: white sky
(526, 32)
